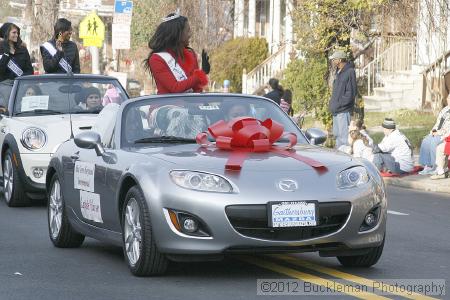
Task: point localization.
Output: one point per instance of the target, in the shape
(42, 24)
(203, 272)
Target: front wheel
(365, 260)
(13, 190)
(139, 247)
(61, 232)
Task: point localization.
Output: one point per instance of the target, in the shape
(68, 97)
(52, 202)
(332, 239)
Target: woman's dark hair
(287, 96)
(61, 26)
(168, 36)
(275, 85)
(356, 135)
(5, 30)
(87, 92)
(36, 89)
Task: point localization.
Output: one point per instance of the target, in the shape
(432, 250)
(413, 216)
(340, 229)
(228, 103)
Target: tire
(139, 247)
(60, 231)
(364, 261)
(13, 189)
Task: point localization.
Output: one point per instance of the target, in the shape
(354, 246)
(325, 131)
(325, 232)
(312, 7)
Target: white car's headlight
(201, 181)
(352, 177)
(33, 138)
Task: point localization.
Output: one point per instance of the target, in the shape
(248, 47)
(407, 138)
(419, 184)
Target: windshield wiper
(165, 139)
(40, 112)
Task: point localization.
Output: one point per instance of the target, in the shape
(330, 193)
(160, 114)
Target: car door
(85, 179)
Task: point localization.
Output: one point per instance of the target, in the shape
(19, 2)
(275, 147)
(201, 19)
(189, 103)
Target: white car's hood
(56, 127)
(61, 122)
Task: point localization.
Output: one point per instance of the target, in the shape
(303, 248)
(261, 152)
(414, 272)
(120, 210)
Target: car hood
(57, 127)
(61, 123)
(193, 157)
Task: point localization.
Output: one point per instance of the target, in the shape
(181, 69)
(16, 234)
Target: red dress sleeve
(165, 80)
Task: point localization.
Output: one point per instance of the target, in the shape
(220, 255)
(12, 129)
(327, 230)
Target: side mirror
(316, 136)
(90, 140)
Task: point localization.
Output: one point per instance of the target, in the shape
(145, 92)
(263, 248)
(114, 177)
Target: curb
(420, 182)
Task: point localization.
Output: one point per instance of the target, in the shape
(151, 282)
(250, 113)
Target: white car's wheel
(12, 185)
(140, 250)
(61, 232)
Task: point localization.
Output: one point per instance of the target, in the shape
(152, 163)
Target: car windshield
(180, 119)
(5, 90)
(62, 96)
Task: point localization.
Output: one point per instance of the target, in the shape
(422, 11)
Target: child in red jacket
(172, 63)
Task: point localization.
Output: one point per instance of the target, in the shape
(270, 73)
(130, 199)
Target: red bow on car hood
(244, 135)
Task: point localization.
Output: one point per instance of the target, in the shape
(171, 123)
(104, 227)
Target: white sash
(13, 67)
(175, 68)
(62, 62)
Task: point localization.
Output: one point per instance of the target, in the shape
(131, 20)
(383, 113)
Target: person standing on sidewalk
(277, 91)
(428, 148)
(172, 63)
(395, 153)
(343, 96)
(60, 54)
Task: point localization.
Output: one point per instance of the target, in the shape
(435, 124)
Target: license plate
(292, 214)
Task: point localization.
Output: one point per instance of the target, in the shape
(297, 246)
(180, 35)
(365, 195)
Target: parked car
(163, 190)
(37, 114)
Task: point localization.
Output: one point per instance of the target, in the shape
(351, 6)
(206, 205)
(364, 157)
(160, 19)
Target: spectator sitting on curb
(359, 126)
(442, 159)
(428, 148)
(359, 145)
(394, 154)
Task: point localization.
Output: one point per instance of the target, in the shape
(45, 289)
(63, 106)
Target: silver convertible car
(198, 176)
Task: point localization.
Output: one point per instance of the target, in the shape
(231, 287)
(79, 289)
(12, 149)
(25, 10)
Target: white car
(37, 114)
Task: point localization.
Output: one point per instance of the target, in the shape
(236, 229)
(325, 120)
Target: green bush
(305, 77)
(228, 61)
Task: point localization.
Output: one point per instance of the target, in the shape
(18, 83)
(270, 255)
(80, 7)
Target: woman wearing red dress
(172, 63)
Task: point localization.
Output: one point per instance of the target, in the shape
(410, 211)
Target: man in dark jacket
(60, 55)
(343, 96)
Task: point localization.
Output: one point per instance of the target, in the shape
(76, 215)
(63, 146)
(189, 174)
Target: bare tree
(211, 21)
(42, 15)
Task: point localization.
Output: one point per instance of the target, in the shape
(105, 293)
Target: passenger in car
(172, 63)
(91, 99)
(233, 110)
(14, 57)
(32, 90)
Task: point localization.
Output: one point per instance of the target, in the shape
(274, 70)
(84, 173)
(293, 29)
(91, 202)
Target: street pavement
(417, 247)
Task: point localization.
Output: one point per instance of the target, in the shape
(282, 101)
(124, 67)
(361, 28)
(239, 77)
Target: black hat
(388, 123)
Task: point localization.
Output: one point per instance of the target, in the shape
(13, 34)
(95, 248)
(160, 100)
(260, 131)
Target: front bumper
(226, 238)
(30, 161)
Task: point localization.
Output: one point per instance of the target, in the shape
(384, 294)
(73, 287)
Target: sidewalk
(420, 182)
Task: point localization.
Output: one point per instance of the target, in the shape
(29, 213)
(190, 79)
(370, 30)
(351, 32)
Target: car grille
(252, 221)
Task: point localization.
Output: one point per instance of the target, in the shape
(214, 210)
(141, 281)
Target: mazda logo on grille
(288, 185)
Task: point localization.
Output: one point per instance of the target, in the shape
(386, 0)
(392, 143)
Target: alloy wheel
(8, 178)
(55, 209)
(132, 231)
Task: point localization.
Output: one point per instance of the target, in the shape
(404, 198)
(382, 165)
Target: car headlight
(33, 138)
(201, 181)
(352, 177)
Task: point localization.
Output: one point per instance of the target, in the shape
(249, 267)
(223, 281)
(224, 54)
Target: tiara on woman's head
(176, 15)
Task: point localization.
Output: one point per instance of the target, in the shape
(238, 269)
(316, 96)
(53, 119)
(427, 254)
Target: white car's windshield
(43, 97)
(180, 119)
